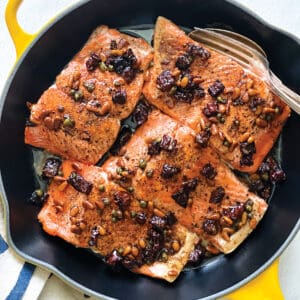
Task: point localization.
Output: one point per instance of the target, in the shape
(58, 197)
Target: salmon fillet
(87, 140)
(179, 176)
(105, 82)
(79, 116)
(112, 223)
(215, 96)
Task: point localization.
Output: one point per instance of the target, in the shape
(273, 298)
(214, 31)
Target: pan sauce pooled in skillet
(167, 198)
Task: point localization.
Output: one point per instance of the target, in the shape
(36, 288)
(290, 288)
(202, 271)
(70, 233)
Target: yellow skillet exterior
(266, 286)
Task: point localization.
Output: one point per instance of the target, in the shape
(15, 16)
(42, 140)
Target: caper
(114, 219)
(265, 176)
(60, 173)
(117, 214)
(220, 118)
(102, 66)
(101, 188)
(143, 204)
(68, 122)
(142, 164)
(78, 95)
(120, 250)
(110, 68)
(106, 201)
(164, 256)
(119, 170)
(226, 143)
(132, 214)
(90, 86)
(250, 215)
(248, 208)
(149, 173)
(277, 110)
(269, 117)
(221, 100)
(130, 189)
(72, 92)
(39, 192)
(173, 90)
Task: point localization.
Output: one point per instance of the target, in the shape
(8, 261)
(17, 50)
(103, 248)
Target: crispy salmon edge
(171, 269)
(259, 209)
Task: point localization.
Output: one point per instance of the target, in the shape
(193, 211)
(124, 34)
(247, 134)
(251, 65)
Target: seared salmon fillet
(79, 134)
(109, 69)
(79, 116)
(88, 210)
(178, 175)
(230, 109)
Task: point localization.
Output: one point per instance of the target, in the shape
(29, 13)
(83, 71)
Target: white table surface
(33, 14)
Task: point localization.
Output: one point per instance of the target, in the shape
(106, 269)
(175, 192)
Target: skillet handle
(20, 38)
(264, 287)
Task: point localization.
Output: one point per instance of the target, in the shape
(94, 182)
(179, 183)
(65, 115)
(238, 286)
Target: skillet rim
(51, 268)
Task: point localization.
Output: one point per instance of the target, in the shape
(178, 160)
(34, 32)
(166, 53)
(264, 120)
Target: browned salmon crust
(102, 219)
(234, 106)
(76, 73)
(87, 141)
(180, 180)
(79, 117)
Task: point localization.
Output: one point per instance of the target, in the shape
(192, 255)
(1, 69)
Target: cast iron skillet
(37, 69)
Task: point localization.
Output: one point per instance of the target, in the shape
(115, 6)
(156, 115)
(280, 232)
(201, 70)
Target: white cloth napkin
(18, 279)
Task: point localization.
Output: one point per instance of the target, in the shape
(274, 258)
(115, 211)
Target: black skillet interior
(37, 71)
